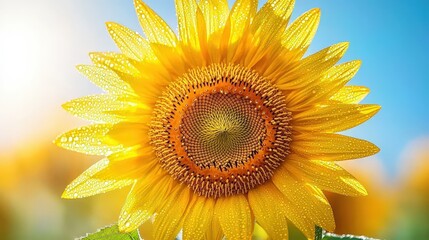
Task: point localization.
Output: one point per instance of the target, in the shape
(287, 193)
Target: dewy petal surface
(106, 108)
(89, 139)
(326, 175)
(272, 217)
(144, 199)
(101, 177)
(309, 200)
(350, 94)
(106, 79)
(296, 217)
(270, 22)
(215, 14)
(329, 83)
(214, 232)
(298, 36)
(186, 11)
(310, 69)
(198, 220)
(334, 118)
(241, 14)
(169, 219)
(332, 147)
(130, 42)
(234, 217)
(117, 62)
(155, 28)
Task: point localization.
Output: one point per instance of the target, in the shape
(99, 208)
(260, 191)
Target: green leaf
(331, 236)
(321, 234)
(111, 233)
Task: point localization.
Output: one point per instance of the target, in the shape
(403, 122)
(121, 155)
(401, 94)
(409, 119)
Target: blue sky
(390, 37)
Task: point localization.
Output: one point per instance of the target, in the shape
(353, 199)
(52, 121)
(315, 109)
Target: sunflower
(223, 126)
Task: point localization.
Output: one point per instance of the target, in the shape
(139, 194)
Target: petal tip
(376, 149)
(110, 25)
(137, 3)
(92, 55)
(358, 63)
(68, 195)
(80, 67)
(59, 140)
(124, 224)
(363, 192)
(316, 12)
(374, 109)
(66, 106)
(359, 189)
(343, 45)
(377, 107)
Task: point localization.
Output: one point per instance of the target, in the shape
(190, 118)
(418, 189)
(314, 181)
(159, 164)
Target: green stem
(319, 233)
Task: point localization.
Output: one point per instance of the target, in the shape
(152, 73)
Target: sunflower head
(223, 125)
(216, 128)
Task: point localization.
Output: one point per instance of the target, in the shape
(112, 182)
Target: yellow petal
(87, 185)
(234, 217)
(107, 175)
(114, 61)
(270, 22)
(269, 209)
(309, 200)
(199, 219)
(195, 50)
(215, 14)
(350, 94)
(327, 176)
(146, 196)
(299, 35)
(155, 28)
(129, 134)
(330, 83)
(169, 218)
(333, 118)
(131, 72)
(202, 36)
(130, 42)
(236, 36)
(214, 232)
(89, 140)
(106, 79)
(241, 14)
(295, 215)
(186, 11)
(259, 232)
(104, 108)
(171, 58)
(312, 67)
(141, 152)
(331, 147)
(151, 81)
(266, 31)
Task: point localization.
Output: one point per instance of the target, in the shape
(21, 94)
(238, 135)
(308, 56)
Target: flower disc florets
(221, 129)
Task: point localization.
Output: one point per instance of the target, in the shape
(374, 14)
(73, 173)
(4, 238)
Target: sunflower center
(221, 129)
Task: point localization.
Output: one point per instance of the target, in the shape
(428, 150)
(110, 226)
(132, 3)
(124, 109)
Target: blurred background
(41, 42)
